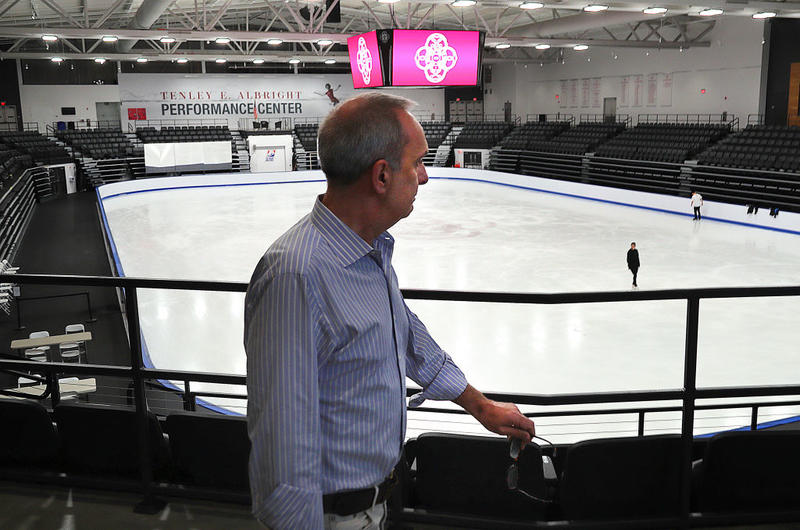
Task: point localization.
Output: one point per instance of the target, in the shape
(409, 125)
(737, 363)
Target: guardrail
(723, 118)
(627, 119)
(688, 394)
(559, 116)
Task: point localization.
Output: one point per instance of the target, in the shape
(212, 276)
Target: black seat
(467, 475)
(750, 470)
(622, 477)
(100, 439)
(29, 437)
(209, 451)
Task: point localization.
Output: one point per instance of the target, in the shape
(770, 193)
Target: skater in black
(633, 262)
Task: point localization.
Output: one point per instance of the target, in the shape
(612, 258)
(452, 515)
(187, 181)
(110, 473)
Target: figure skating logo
(436, 58)
(364, 60)
(270, 155)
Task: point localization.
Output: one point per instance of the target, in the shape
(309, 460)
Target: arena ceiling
(165, 30)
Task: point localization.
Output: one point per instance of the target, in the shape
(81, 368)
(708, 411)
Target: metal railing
(688, 394)
(133, 125)
(559, 116)
(704, 119)
(627, 119)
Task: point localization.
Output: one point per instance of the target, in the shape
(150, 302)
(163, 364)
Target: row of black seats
(99, 144)
(482, 135)
(522, 137)
(40, 148)
(101, 442)
(435, 132)
(209, 133)
(307, 134)
(751, 160)
(623, 478)
(654, 154)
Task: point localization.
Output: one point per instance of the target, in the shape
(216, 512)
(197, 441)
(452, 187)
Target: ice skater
(329, 92)
(697, 202)
(633, 263)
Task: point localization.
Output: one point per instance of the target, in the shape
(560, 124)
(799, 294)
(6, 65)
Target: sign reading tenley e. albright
(232, 97)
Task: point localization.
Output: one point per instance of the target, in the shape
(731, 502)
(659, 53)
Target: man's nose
(422, 176)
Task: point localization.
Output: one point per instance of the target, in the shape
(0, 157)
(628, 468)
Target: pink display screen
(435, 58)
(365, 60)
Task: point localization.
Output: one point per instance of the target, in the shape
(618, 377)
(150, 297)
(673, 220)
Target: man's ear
(380, 174)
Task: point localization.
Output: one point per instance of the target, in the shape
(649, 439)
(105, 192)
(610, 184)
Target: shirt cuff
(289, 507)
(448, 384)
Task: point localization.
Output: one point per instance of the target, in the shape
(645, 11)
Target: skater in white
(697, 202)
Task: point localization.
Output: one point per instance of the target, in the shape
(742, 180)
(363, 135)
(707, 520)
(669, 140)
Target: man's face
(411, 174)
(633, 245)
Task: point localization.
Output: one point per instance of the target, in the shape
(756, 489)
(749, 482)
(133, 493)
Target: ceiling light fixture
(764, 14)
(100, 60)
(274, 42)
(182, 60)
(294, 61)
(580, 47)
(463, 3)
(503, 46)
(542, 46)
(595, 8)
(141, 60)
(710, 12)
(258, 61)
(654, 10)
(56, 59)
(49, 38)
(531, 5)
(387, 1)
(221, 60)
(222, 40)
(110, 38)
(330, 61)
(324, 42)
(166, 39)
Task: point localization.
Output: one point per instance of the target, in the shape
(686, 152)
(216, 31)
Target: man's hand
(497, 417)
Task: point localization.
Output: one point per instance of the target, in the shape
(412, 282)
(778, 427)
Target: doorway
(107, 112)
(609, 109)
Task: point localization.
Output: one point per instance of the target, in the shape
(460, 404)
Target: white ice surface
(486, 237)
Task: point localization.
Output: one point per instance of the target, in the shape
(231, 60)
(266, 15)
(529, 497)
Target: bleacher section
(435, 132)
(40, 148)
(307, 134)
(757, 147)
(663, 142)
(482, 135)
(100, 144)
(578, 140)
(533, 133)
(185, 133)
(12, 164)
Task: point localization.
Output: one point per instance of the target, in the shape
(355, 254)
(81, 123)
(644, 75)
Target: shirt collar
(343, 241)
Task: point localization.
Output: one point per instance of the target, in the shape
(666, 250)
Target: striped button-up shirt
(329, 344)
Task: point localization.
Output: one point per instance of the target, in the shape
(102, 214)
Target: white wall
(729, 70)
(42, 103)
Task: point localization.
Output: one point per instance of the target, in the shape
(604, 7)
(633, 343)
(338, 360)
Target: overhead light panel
(222, 40)
(330, 61)
(110, 38)
(56, 59)
(324, 42)
(141, 60)
(710, 12)
(580, 47)
(166, 39)
(654, 10)
(274, 42)
(503, 46)
(388, 1)
(542, 46)
(531, 5)
(182, 60)
(463, 3)
(764, 14)
(221, 60)
(258, 61)
(49, 38)
(100, 60)
(294, 61)
(595, 8)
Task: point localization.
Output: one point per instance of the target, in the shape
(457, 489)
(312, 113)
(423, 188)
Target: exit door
(107, 111)
(609, 109)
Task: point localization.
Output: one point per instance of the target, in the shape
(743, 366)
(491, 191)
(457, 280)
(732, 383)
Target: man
(330, 341)
(633, 262)
(697, 202)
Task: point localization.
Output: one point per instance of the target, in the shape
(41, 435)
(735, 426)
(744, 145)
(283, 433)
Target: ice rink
(478, 236)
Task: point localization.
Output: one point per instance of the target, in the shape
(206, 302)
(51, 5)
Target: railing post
(150, 504)
(754, 418)
(689, 392)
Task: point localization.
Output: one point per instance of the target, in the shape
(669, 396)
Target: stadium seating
(757, 147)
(29, 437)
(482, 135)
(100, 144)
(435, 132)
(663, 142)
(184, 133)
(307, 134)
(522, 137)
(578, 140)
(13, 163)
(40, 148)
(749, 470)
(622, 477)
(467, 475)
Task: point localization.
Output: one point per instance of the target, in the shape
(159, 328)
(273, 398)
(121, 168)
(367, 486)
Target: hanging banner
(665, 90)
(638, 81)
(596, 92)
(624, 91)
(652, 90)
